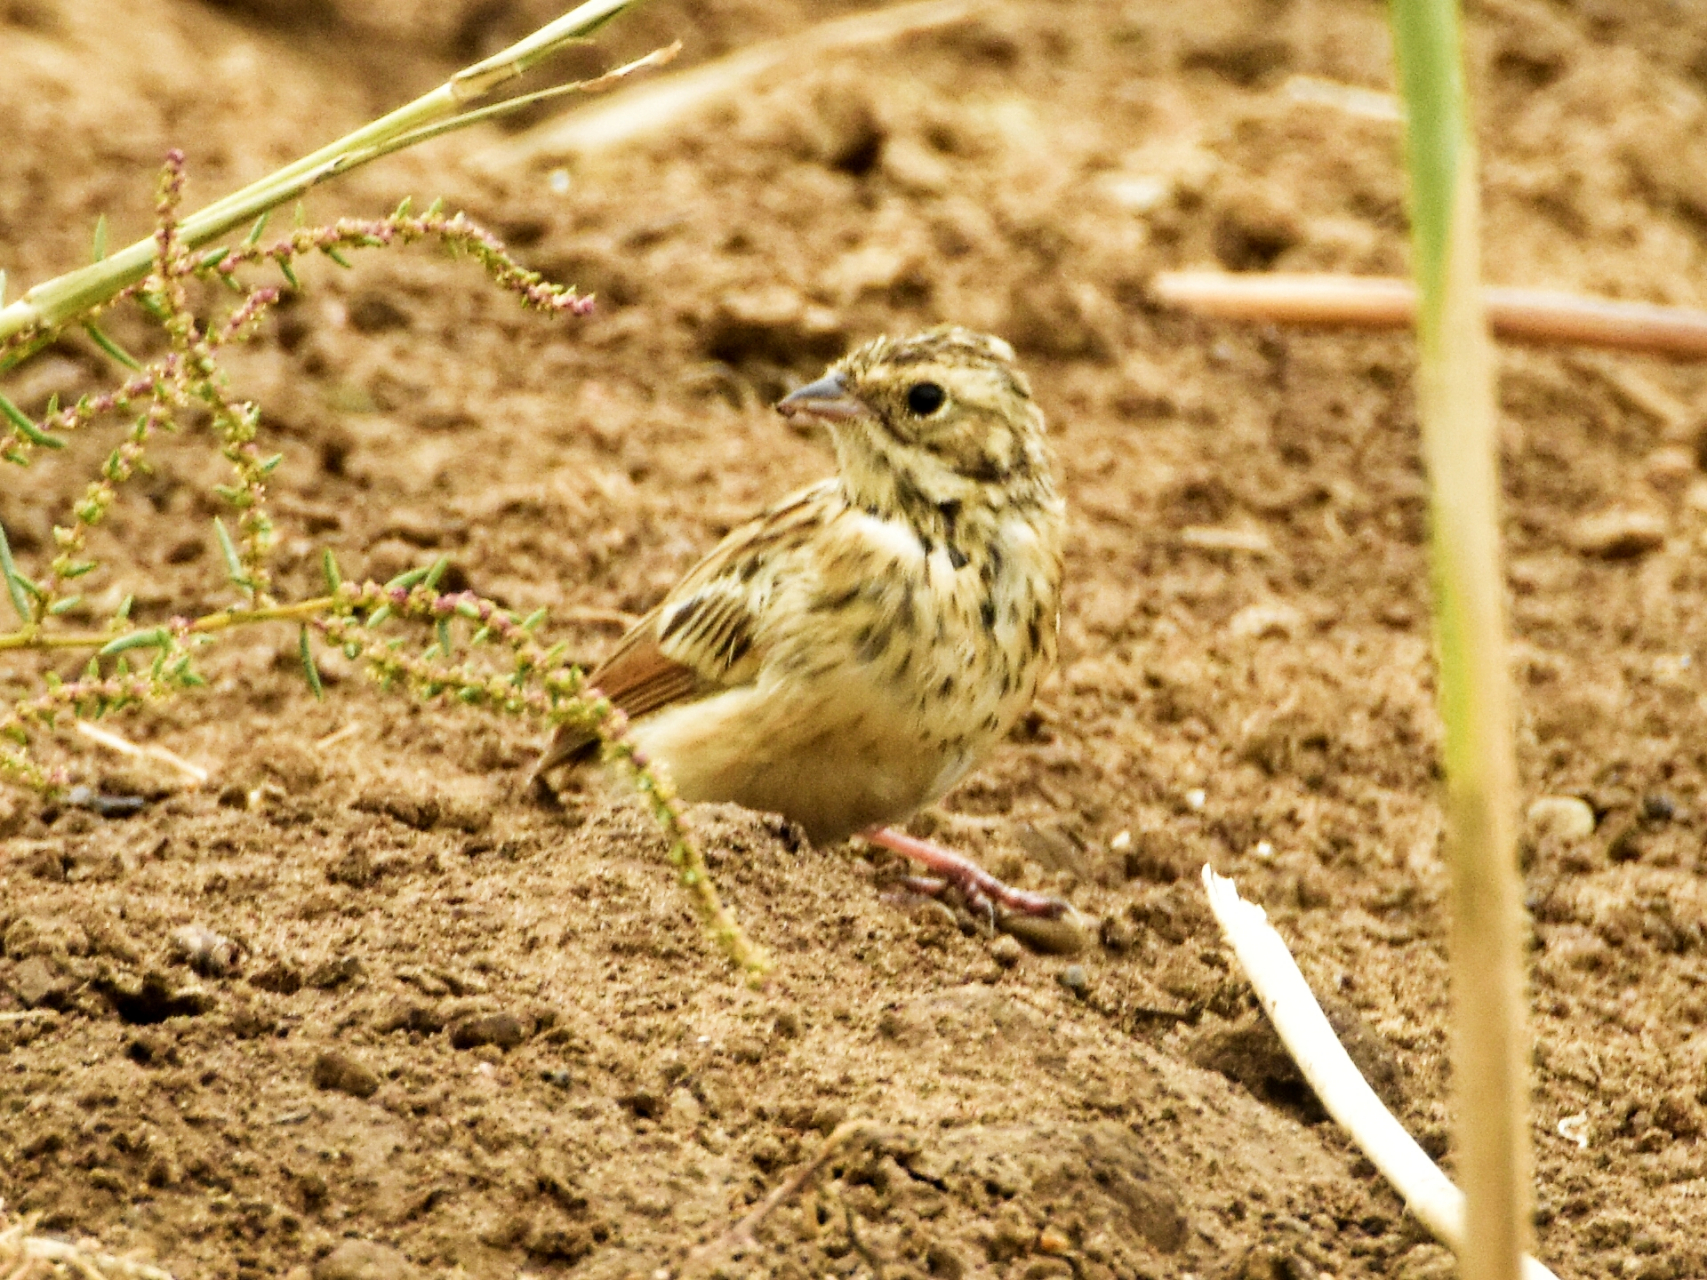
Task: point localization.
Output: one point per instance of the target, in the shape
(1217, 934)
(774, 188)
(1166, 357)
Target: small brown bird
(849, 655)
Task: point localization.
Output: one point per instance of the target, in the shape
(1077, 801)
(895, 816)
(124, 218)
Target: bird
(847, 656)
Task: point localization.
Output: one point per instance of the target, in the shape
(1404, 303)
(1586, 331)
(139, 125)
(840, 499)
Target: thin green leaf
(436, 572)
(443, 629)
(290, 275)
(329, 567)
(308, 667)
(337, 257)
(379, 615)
(407, 580)
(153, 638)
(14, 583)
(254, 236)
(213, 257)
(402, 210)
(101, 238)
(124, 609)
(27, 428)
(227, 548)
(533, 619)
(101, 340)
(64, 606)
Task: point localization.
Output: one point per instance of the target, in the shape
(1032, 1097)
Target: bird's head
(939, 418)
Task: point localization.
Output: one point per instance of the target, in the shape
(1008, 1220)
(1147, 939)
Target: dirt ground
(457, 1030)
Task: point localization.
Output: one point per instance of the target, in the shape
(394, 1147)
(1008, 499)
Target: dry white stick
(125, 747)
(1304, 1029)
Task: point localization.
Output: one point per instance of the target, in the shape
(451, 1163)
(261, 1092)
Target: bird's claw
(983, 892)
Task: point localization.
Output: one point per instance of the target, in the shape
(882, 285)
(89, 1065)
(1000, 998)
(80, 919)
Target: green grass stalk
(1456, 397)
(55, 302)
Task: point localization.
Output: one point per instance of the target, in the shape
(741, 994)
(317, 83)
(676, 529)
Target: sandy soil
(475, 1033)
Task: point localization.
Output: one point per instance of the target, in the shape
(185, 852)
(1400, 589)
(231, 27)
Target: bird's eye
(925, 398)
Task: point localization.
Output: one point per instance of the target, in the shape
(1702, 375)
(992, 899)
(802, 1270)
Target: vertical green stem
(1456, 394)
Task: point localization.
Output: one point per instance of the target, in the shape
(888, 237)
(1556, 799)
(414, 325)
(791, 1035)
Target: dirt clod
(345, 1074)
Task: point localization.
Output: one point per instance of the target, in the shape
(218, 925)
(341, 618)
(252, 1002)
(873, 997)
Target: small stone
(1006, 951)
(364, 1260)
(915, 168)
(404, 1014)
(505, 1030)
(280, 977)
(1053, 1240)
(208, 953)
(1658, 807)
(1075, 979)
(248, 1022)
(1066, 935)
(39, 985)
(335, 973)
(1619, 534)
(1565, 818)
(343, 1074)
(1117, 934)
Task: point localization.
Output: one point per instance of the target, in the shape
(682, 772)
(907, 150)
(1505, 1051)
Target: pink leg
(971, 879)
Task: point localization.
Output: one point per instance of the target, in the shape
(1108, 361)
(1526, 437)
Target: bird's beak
(826, 398)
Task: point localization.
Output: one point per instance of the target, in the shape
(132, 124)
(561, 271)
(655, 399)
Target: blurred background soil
(449, 1028)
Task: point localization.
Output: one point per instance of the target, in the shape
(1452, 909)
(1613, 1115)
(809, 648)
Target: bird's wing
(708, 634)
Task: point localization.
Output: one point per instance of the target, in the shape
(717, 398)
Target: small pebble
(1121, 842)
(1566, 818)
(1066, 936)
(343, 1074)
(210, 954)
(1006, 951)
(1657, 807)
(502, 1029)
(1619, 534)
(1053, 1240)
(1117, 934)
(1196, 798)
(1075, 979)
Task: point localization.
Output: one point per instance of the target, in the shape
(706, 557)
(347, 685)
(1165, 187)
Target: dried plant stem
(56, 302)
(1543, 316)
(654, 106)
(1457, 408)
(1304, 1029)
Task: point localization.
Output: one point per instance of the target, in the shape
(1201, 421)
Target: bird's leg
(970, 878)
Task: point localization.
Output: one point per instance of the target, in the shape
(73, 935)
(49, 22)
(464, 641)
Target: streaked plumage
(847, 656)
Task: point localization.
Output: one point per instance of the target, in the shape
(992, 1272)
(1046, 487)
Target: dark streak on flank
(841, 600)
(682, 616)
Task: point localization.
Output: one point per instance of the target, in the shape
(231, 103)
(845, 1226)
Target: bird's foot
(977, 884)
